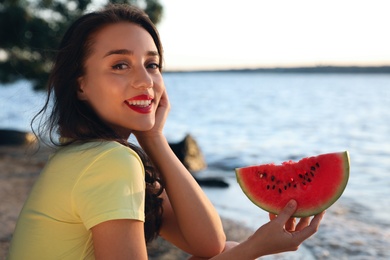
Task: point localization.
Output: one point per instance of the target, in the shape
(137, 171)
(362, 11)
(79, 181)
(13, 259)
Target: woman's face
(122, 80)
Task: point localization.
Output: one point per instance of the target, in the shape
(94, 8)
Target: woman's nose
(142, 79)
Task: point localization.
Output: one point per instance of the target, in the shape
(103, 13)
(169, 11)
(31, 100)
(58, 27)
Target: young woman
(100, 197)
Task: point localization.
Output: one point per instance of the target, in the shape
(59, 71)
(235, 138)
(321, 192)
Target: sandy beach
(19, 168)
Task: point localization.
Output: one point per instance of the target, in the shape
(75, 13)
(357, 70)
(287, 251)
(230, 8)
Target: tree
(30, 32)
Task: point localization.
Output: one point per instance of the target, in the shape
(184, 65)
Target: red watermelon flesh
(314, 182)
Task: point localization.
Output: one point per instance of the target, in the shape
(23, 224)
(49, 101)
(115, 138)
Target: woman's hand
(282, 233)
(161, 115)
(162, 111)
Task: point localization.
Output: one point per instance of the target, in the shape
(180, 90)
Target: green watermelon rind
(300, 213)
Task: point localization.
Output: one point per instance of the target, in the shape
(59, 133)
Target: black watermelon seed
(289, 184)
(300, 176)
(280, 190)
(285, 187)
(272, 178)
(304, 183)
(273, 187)
(313, 168)
(267, 187)
(308, 179)
(318, 165)
(295, 185)
(312, 174)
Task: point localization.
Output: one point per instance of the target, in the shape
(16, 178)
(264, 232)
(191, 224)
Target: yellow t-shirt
(81, 186)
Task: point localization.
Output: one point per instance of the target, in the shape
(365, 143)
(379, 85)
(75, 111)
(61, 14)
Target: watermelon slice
(314, 182)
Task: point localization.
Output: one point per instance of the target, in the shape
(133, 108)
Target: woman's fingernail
(292, 204)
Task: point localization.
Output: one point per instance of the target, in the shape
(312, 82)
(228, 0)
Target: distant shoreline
(314, 69)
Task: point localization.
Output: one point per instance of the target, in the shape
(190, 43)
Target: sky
(226, 34)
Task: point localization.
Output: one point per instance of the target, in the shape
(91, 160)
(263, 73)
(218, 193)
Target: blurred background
(253, 82)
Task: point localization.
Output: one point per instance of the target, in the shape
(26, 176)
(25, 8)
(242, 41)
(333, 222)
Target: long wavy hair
(64, 115)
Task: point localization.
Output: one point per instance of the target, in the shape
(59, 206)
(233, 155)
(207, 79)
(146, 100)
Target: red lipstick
(141, 103)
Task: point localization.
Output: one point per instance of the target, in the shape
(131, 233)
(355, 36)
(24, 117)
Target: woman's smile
(141, 104)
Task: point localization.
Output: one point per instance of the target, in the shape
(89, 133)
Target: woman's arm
(190, 220)
(119, 239)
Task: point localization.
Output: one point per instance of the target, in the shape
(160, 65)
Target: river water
(241, 118)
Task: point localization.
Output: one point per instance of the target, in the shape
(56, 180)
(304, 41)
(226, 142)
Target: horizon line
(314, 68)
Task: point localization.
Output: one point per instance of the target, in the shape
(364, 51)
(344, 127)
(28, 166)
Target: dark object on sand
(212, 182)
(15, 137)
(191, 156)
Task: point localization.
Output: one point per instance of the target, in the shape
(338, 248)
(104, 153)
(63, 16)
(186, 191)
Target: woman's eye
(120, 66)
(153, 66)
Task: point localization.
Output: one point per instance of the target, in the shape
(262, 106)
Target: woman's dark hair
(75, 119)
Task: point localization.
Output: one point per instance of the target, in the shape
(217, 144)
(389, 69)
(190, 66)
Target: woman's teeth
(140, 103)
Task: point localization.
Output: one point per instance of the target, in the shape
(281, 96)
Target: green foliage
(30, 32)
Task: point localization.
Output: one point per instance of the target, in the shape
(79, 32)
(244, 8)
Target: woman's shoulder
(94, 145)
(97, 148)
(113, 148)
(107, 155)
(110, 145)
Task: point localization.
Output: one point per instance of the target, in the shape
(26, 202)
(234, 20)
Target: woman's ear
(80, 91)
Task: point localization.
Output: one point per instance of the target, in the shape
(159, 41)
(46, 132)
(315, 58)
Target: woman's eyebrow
(129, 52)
(119, 51)
(152, 53)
